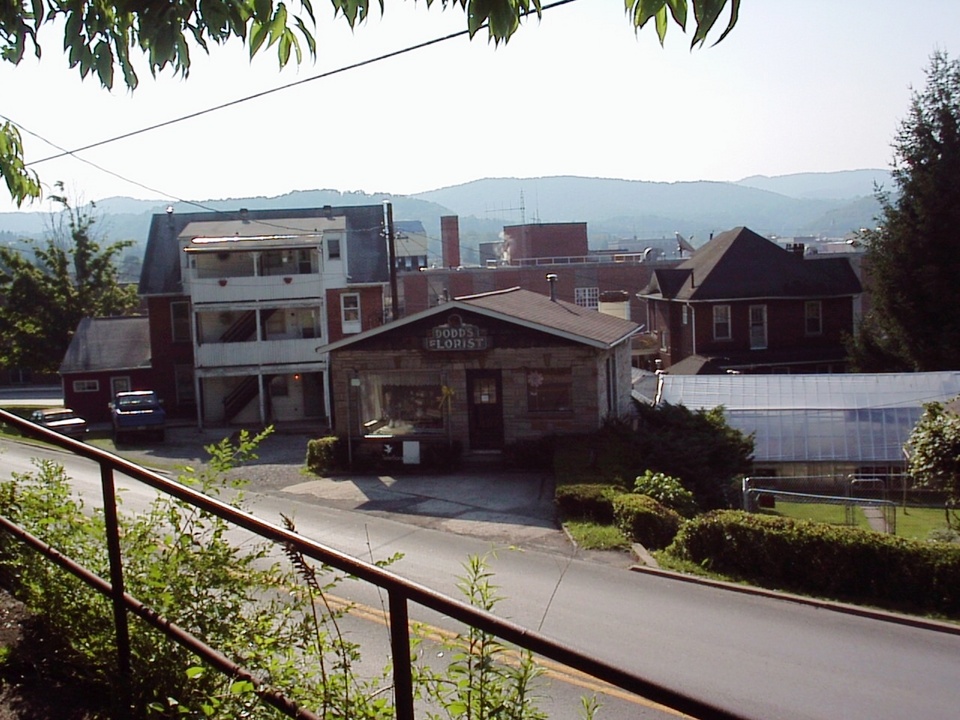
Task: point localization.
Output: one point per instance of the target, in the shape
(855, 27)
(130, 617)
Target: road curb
(872, 613)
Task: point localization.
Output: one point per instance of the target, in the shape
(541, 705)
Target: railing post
(117, 588)
(400, 649)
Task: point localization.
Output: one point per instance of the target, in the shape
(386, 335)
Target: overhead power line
(321, 76)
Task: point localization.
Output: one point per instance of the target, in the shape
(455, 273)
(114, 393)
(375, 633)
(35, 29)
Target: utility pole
(392, 248)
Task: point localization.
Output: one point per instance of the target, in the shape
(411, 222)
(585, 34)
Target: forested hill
(829, 204)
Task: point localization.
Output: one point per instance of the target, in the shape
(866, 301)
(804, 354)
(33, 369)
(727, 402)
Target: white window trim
(86, 386)
(729, 323)
(587, 297)
(350, 327)
(764, 343)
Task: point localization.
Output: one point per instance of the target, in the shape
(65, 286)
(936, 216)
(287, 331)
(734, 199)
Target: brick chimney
(450, 241)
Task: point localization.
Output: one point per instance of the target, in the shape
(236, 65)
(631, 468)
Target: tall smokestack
(450, 241)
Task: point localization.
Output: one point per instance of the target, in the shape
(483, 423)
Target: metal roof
(803, 418)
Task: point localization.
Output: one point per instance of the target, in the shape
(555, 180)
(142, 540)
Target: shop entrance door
(486, 409)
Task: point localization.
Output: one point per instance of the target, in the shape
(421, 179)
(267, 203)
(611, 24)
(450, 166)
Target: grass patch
(818, 512)
(917, 523)
(914, 523)
(595, 536)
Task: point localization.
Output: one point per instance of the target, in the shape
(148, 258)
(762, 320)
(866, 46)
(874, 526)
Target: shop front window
(549, 390)
(403, 403)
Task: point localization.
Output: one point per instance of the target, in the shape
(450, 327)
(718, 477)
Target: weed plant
(272, 618)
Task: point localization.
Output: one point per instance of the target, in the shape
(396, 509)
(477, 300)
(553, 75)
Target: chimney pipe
(552, 279)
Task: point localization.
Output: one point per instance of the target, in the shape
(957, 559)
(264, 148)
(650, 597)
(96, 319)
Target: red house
(742, 303)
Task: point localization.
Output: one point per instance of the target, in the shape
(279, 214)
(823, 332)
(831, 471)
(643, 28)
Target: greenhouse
(818, 424)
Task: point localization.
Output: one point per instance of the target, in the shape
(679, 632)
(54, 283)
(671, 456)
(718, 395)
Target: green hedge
(825, 560)
(642, 519)
(323, 455)
(586, 501)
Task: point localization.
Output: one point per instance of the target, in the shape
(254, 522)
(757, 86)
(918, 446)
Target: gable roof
(525, 308)
(111, 343)
(740, 264)
(160, 272)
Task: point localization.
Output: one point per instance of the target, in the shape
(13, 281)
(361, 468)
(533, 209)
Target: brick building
(484, 371)
(742, 303)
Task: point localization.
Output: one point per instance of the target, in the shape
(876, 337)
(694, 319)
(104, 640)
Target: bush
(586, 501)
(825, 560)
(534, 454)
(323, 455)
(441, 457)
(644, 520)
(668, 491)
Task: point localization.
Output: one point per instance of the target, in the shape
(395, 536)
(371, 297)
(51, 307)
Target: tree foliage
(44, 297)
(934, 449)
(914, 256)
(103, 37)
(699, 448)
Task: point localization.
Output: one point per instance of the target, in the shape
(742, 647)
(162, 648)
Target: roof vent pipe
(552, 279)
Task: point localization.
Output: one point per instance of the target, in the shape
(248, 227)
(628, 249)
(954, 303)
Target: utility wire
(330, 73)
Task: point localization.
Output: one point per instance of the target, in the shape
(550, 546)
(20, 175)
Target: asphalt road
(761, 656)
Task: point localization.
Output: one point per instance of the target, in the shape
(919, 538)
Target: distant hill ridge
(831, 204)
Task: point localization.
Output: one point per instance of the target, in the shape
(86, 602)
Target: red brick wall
(545, 240)
(166, 355)
(371, 310)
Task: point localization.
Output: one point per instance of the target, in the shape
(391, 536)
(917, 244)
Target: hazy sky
(798, 86)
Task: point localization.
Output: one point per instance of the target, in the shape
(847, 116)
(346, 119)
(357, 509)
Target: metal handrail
(401, 592)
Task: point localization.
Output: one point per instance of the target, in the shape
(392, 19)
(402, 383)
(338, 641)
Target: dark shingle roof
(540, 312)
(739, 264)
(114, 343)
(529, 309)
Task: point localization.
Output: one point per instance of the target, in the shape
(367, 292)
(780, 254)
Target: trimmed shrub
(668, 491)
(530, 454)
(586, 501)
(322, 454)
(644, 520)
(825, 560)
(441, 457)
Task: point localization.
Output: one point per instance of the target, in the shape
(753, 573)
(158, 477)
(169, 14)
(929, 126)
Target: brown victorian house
(742, 303)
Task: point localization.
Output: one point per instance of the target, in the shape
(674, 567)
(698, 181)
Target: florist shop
(478, 373)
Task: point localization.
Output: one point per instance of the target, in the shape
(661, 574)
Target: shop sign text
(447, 338)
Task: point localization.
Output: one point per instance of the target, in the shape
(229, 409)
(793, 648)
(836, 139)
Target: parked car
(137, 412)
(63, 420)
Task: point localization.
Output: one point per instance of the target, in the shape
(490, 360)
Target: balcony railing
(251, 288)
(400, 592)
(254, 353)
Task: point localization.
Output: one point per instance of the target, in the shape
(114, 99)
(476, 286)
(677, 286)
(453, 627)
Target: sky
(798, 86)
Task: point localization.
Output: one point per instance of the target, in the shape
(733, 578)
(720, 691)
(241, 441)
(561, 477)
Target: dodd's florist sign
(456, 335)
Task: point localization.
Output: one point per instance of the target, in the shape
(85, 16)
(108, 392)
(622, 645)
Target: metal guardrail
(400, 592)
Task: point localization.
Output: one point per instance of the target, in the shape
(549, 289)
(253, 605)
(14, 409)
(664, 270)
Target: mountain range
(808, 204)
